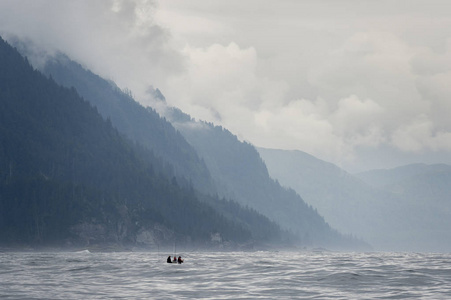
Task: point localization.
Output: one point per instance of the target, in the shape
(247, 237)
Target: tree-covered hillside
(250, 187)
(241, 174)
(139, 124)
(68, 176)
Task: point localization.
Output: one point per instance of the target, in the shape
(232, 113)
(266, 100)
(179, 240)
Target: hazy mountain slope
(387, 177)
(347, 203)
(403, 216)
(425, 191)
(240, 173)
(67, 176)
(433, 183)
(145, 126)
(142, 125)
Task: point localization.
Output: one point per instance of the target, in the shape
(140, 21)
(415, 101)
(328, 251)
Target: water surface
(225, 275)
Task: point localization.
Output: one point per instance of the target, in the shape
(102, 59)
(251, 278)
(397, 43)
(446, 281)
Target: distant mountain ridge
(386, 177)
(424, 192)
(407, 208)
(335, 193)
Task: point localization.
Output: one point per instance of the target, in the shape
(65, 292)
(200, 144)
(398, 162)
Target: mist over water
(225, 275)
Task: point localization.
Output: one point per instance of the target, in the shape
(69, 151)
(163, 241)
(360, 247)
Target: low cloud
(117, 39)
(333, 80)
(367, 96)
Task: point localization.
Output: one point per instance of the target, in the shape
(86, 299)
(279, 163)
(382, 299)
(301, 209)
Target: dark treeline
(67, 175)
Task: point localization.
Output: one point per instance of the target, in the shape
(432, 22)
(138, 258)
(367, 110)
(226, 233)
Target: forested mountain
(407, 208)
(141, 125)
(67, 176)
(241, 174)
(249, 184)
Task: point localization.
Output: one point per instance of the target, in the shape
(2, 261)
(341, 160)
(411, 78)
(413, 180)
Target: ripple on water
(234, 275)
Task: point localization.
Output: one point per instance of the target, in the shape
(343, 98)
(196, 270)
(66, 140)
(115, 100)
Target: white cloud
(116, 38)
(327, 78)
(368, 93)
(221, 85)
(421, 135)
(317, 127)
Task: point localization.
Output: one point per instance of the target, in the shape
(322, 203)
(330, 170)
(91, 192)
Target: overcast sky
(363, 84)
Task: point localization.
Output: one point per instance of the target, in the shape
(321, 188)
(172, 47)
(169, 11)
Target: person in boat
(180, 260)
(175, 259)
(169, 260)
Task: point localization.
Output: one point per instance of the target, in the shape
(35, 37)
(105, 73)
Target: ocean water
(224, 275)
